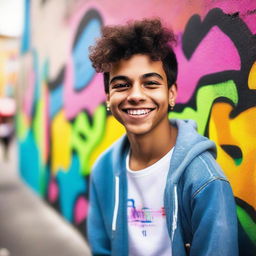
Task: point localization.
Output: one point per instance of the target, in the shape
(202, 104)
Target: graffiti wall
(63, 125)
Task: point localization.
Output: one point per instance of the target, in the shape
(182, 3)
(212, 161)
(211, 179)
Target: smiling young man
(158, 190)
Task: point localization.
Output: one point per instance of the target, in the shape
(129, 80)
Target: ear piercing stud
(172, 104)
(108, 106)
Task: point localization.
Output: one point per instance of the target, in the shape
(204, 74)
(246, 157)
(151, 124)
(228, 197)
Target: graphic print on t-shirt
(143, 217)
(147, 227)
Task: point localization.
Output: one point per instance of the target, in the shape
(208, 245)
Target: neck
(146, 149)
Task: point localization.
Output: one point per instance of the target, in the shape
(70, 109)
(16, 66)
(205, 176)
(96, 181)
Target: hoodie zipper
(116, 203)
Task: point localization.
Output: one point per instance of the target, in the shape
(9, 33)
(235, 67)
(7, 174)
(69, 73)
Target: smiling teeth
(138, 112)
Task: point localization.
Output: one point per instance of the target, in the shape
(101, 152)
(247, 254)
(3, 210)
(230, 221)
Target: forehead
(136, 66)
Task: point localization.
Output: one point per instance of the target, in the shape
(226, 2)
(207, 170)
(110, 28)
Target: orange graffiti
(238, 134)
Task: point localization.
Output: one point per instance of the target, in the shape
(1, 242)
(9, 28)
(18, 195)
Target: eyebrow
(152, 74)
(125, 78)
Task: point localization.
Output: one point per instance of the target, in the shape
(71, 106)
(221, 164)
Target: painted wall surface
(63, 125)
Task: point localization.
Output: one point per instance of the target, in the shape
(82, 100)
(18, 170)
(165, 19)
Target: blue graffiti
(71, 184)
(83, 70)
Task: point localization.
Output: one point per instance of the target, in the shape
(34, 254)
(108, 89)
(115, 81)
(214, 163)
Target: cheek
(116, 98)
(160, 98)
(114, 101)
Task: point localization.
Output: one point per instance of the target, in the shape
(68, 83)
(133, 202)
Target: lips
(138, 112)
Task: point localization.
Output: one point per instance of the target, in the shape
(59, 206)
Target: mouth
(138, 112)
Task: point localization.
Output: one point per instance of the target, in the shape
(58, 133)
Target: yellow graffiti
(86, 135)
(252, 77)
(113, 131)
(239, 132)
(61, 133)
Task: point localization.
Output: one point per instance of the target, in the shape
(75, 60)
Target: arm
(214, 220)
(96, 232)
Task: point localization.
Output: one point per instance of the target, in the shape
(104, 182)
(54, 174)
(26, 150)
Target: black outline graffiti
(57, 81)
(90, 15)
(235, 28)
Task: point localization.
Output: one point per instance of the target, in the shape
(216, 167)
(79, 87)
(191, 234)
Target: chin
(137, 130)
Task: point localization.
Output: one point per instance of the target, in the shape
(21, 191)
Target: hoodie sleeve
(214, 220)
(96, 231)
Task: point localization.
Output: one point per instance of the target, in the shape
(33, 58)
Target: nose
(136, 94)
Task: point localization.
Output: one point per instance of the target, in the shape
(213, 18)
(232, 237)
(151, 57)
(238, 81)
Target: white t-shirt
(147, 230)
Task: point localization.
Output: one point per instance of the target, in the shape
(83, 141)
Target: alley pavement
(28, 226)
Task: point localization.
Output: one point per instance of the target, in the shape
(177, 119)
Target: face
(139, 95)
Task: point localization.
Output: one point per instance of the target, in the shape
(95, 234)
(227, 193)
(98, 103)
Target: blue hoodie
(198, 200)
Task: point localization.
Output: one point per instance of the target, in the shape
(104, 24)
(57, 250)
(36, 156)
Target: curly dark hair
(147, 36)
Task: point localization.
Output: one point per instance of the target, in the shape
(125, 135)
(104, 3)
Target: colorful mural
(63, 125)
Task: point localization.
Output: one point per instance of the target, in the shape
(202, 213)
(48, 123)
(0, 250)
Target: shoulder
(201, 172)
(109, 160)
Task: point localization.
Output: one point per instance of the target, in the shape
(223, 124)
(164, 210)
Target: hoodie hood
(189, 144)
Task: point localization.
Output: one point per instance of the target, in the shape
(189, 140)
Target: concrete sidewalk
(28, 226)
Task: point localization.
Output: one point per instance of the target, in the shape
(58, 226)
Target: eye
(151, 84)
(120, 85)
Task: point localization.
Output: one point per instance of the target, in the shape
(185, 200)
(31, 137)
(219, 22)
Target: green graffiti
(86, 136)
(238, 161)
(204, 99)
(247, 223)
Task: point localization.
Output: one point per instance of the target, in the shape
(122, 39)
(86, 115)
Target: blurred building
(9, 51)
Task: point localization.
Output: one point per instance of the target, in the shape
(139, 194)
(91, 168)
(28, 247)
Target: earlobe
(172, 104)
(107, 102)
(172, 96)
(108, 105)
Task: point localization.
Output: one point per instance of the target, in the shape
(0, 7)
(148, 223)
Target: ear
(173, 93)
